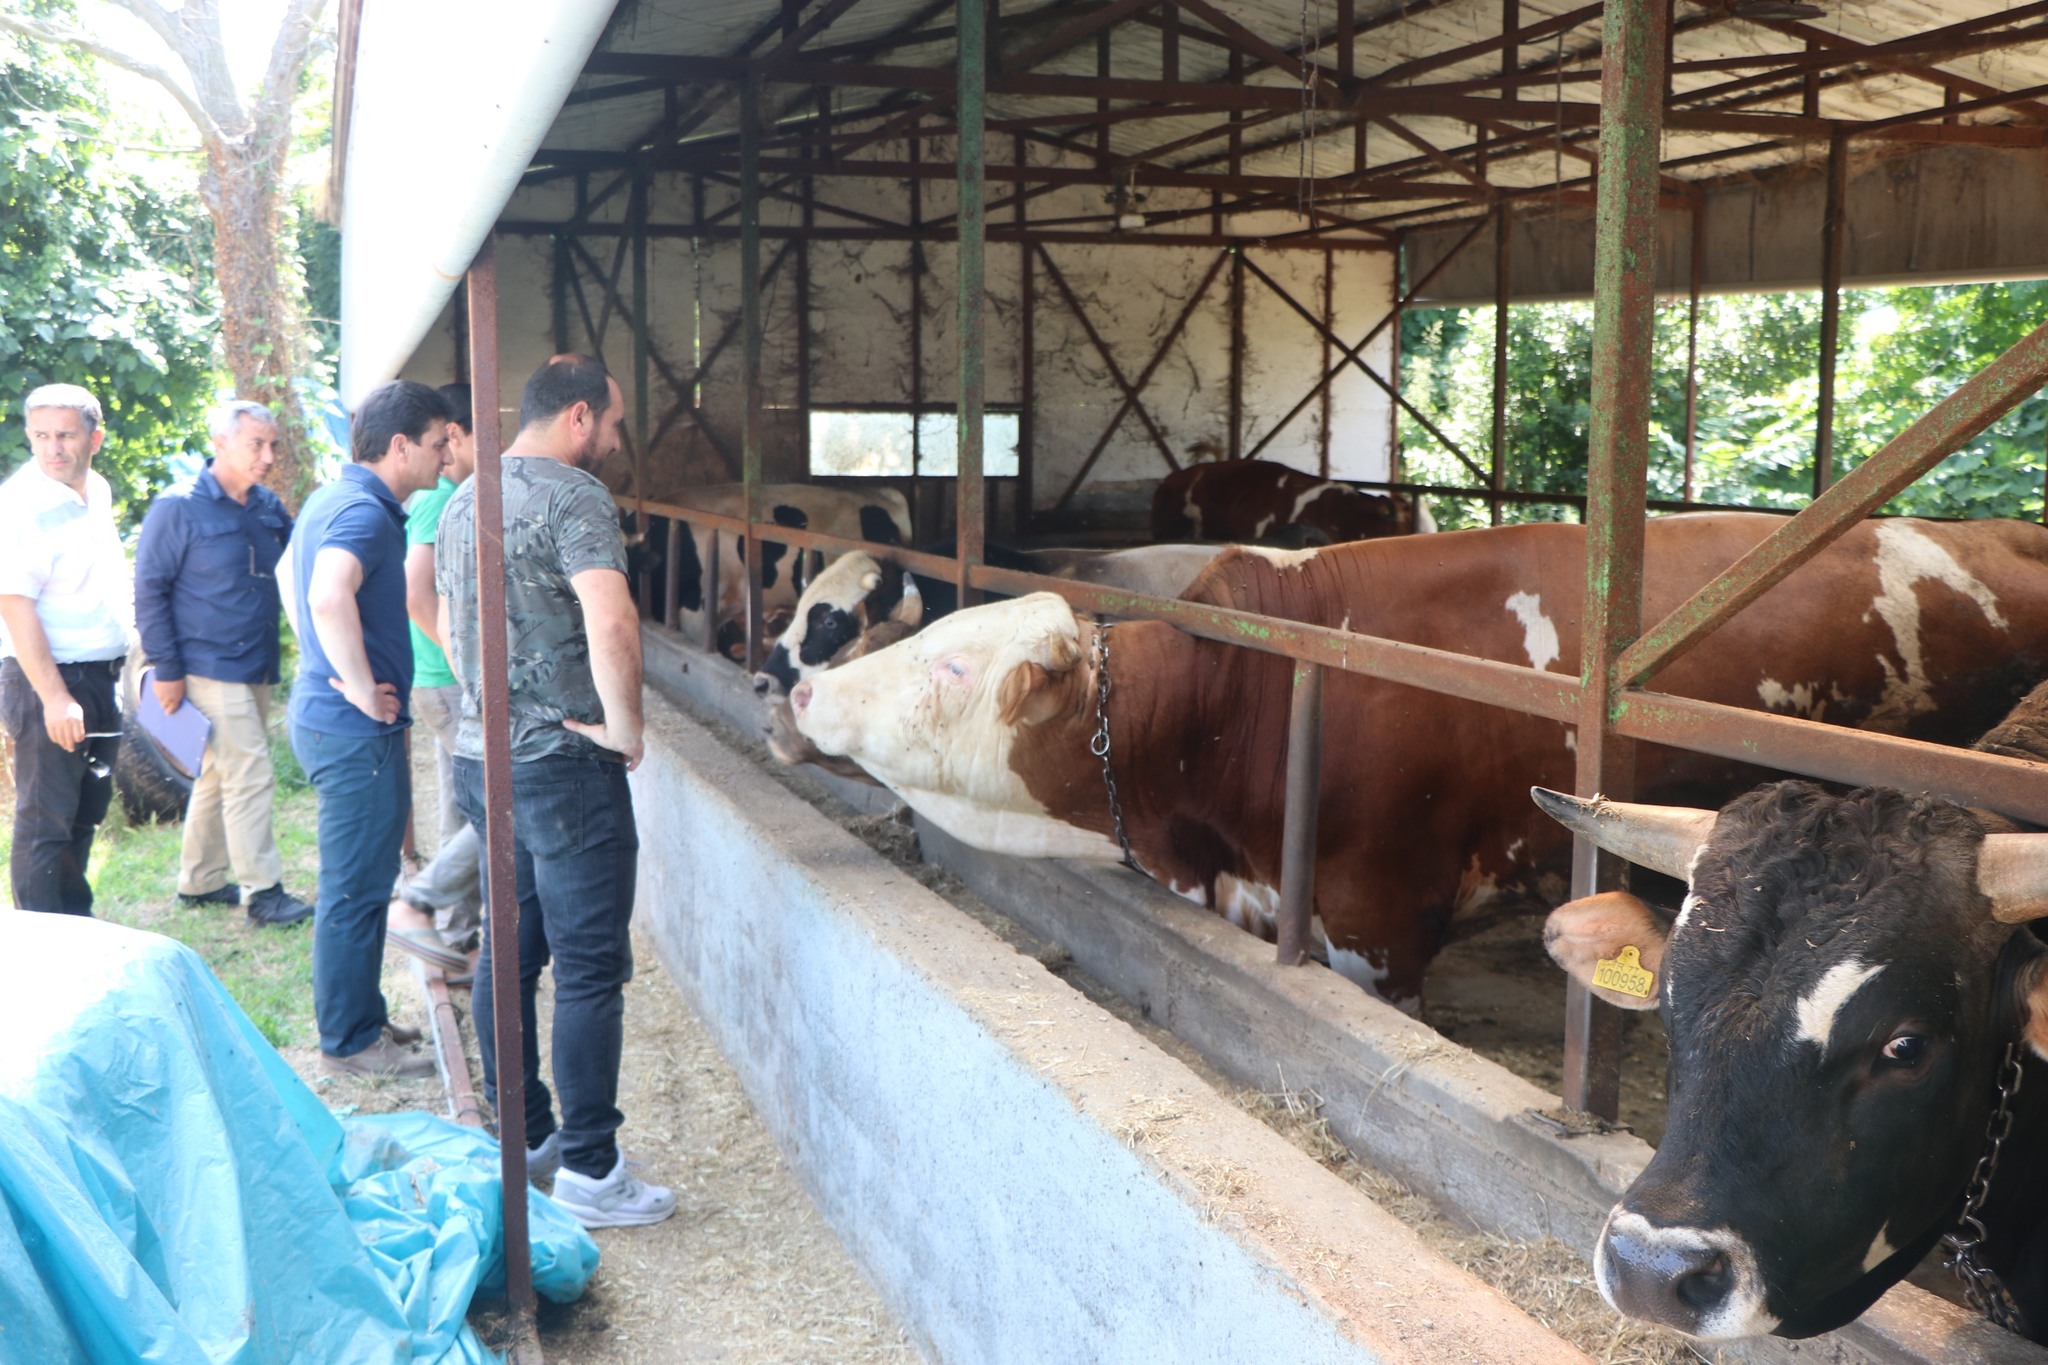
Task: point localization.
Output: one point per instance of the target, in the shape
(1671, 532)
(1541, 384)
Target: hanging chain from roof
(1099, 745)
(1982, 1288)
(1304, 170)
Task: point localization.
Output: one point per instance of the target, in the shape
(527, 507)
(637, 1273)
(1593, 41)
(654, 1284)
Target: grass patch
(269, 970)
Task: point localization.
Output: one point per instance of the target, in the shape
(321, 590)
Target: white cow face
(936, 718)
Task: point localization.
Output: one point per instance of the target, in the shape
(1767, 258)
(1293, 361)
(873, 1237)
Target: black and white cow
(1839, 990)
(880, 515)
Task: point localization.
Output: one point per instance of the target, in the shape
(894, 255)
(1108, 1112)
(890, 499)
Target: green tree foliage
(96, 277)
(1902, 351)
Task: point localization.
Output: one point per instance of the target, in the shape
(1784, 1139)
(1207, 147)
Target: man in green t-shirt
(436, 915)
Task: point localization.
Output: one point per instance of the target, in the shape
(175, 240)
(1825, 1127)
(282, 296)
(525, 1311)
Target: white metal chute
(451, 99)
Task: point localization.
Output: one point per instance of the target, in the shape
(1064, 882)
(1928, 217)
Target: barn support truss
(796, 147)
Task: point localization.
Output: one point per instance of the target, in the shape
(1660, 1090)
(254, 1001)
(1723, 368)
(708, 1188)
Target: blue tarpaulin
(170, 1191)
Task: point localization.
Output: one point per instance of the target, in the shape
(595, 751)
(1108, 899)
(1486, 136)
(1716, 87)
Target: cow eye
(1907, 1050)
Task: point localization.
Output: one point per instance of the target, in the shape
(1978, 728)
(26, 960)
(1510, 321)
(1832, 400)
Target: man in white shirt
(65, 602)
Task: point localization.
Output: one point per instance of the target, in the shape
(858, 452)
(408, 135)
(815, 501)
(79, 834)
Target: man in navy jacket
(206, 606)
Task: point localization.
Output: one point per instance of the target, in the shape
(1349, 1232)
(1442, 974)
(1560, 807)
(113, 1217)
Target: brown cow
(1258, 500)
(982, 722)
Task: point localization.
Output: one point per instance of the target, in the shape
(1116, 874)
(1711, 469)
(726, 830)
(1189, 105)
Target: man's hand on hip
(380, 703)
(169, 695)
(632, 745)
(64, 719)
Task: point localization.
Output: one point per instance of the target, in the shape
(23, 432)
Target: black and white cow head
(836, 609)
(1838, 990)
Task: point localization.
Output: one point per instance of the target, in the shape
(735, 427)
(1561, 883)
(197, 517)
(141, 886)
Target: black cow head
(834, 611)
(1838, 990)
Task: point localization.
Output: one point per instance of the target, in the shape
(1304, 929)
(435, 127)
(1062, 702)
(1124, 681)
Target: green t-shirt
(422, 520)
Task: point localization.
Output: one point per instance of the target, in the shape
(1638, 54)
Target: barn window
(894, 443)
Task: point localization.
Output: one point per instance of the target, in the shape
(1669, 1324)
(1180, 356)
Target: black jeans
(576, 860)
(58, 800)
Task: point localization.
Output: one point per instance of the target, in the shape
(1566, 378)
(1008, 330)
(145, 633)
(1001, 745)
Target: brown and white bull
(983, 721)
(1257, 500)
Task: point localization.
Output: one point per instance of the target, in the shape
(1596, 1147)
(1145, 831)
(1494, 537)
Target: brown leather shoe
(381, 1058)
(402, 1034)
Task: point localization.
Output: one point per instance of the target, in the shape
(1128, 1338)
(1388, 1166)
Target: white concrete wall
(860, 333)
(1023, 1177)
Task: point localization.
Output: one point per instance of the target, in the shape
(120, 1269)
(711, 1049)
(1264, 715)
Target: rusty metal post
(1025, 508)
(1497, 479)
(708, 576)
(499, 881)
(672, 577)
(1692, 340)
(1235, 445)
(1298, 831)
(1831, 245)
(1624, 323)
(643, 393)
(750, 360)
(970, 517)
(1329, 327)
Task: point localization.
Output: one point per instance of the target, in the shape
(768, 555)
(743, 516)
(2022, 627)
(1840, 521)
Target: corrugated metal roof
(689, 27)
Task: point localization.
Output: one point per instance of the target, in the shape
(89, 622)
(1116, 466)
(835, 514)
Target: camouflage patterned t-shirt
(559, 521)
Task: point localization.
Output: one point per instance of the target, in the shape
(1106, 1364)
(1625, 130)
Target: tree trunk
(261, 337)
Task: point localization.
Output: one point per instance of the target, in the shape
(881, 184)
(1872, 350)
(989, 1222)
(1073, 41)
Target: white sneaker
(543, 1161)
(620, 1200)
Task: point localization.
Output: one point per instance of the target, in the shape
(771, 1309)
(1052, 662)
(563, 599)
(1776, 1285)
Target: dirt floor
(746, 1271)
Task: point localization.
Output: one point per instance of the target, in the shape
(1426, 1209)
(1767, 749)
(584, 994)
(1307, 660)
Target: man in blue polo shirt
(206, 607)
(345, 593)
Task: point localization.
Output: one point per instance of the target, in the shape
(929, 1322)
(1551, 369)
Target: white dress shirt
(63, 551)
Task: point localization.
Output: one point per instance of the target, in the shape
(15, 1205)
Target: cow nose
(800, 698)
(763, 684)
(1670, 1276)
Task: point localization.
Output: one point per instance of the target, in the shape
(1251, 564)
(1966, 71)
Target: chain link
(1099, 745)
(1982, 1288)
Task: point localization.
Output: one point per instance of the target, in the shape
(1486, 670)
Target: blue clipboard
(182, 733)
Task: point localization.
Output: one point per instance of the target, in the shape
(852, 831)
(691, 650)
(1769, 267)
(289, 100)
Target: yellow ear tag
(1625, 974)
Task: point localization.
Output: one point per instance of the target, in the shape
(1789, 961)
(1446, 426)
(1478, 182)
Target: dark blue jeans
(575, 861)
(365, 791)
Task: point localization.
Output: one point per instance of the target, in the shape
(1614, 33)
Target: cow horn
(2012, 869)
(1662, 838)
(909, 608)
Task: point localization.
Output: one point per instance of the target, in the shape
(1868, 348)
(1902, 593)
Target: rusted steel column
(499, 882)
(969, 513)
(1698, 250)
(1024, 511)
(1498, 474)
(1298, 832)
(643, 394)
(1329, 325)
(672, 577)
(1235, 445)
(1831, 244)
(1624, 323)
(708, 571)
(750, 359)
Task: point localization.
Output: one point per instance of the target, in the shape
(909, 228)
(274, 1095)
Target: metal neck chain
(1982, 1288)
(1099, 745)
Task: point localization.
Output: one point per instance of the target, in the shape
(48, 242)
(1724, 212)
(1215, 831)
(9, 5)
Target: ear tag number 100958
(1625, 974)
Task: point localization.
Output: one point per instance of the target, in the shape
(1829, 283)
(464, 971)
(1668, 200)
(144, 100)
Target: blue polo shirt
(355, 513)
(205, 595)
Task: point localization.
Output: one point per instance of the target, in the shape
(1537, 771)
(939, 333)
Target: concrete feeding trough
(814, 961)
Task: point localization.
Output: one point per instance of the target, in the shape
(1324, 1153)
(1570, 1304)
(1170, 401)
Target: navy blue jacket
(206, 584)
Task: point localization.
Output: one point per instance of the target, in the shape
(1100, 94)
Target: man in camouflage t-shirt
(574, 637)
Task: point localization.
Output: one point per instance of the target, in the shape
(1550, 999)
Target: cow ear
(2032, 983)
(1033, 694)
(1612, 944)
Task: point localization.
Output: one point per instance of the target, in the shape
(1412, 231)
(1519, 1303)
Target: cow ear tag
(1625, 974)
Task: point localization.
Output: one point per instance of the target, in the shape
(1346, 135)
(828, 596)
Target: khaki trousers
(229, 819)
